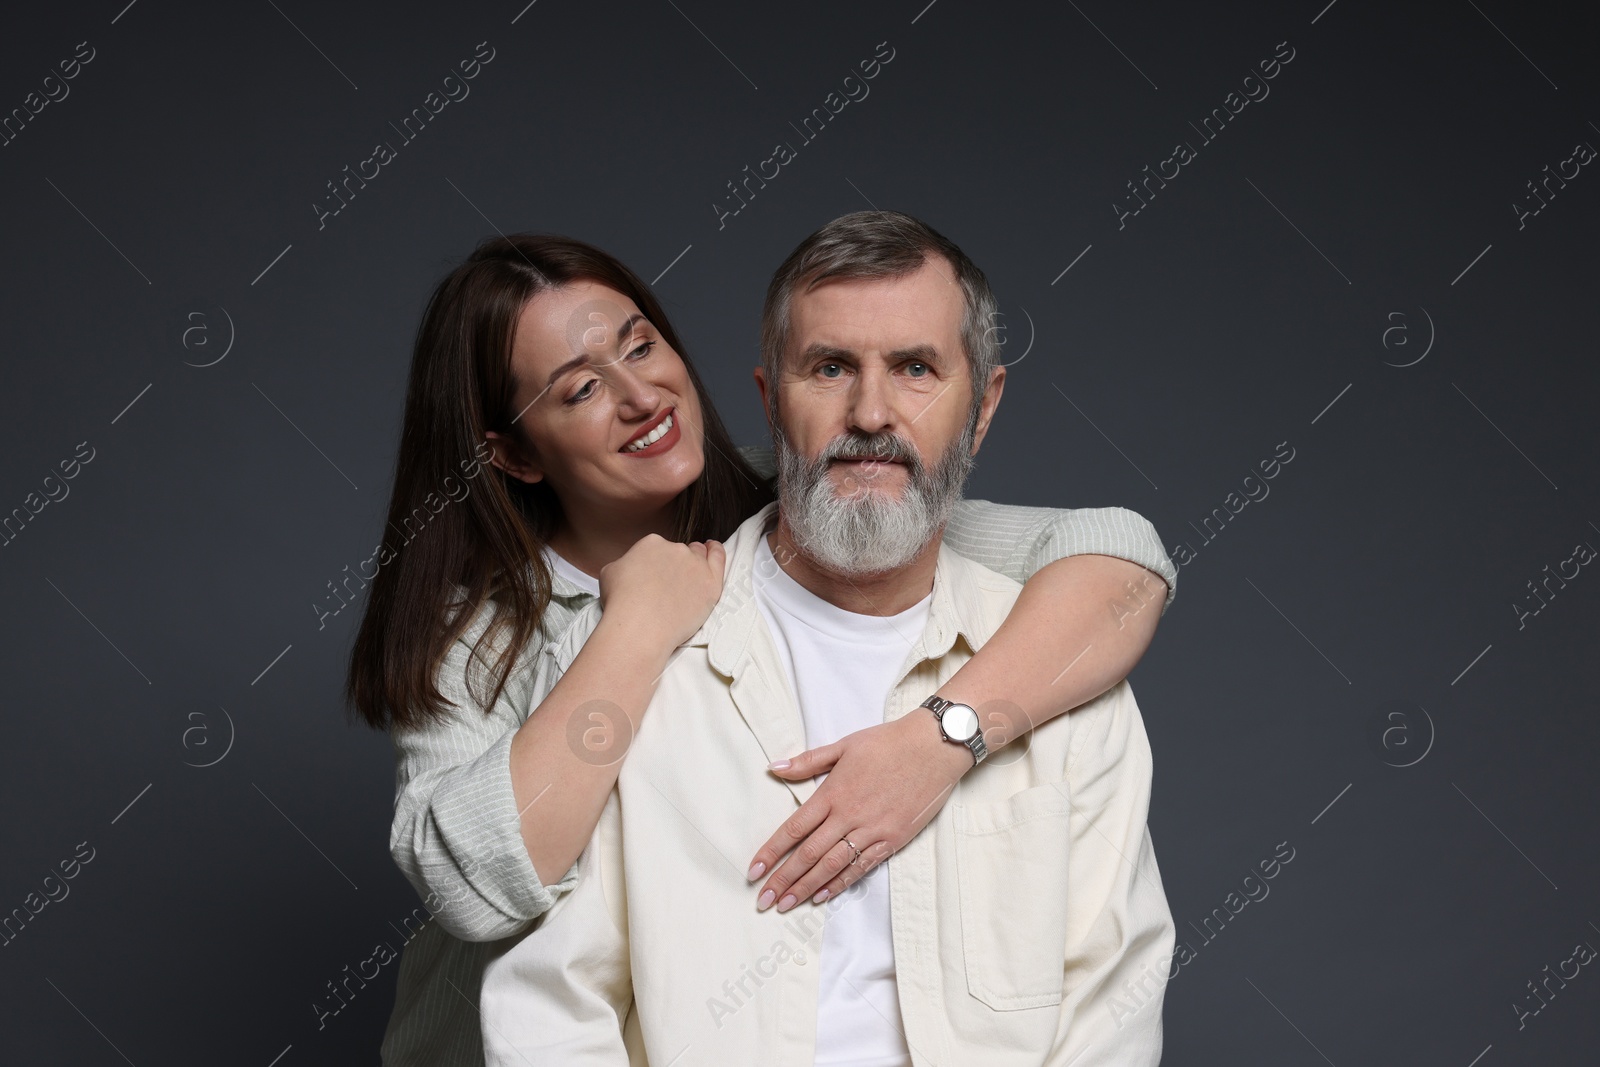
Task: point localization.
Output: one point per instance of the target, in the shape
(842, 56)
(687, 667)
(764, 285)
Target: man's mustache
(880, 448)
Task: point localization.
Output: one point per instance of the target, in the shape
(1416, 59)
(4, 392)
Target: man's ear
(761, 387)
(991, 400)
(507, 456)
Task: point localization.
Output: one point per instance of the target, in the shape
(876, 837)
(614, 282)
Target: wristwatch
(958, 723)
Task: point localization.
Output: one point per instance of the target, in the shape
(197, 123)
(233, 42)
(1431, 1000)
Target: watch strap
(974, 744)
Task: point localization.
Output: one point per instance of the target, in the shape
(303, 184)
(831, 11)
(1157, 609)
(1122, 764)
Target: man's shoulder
(980, 597)
(983, 580)
(986, 578)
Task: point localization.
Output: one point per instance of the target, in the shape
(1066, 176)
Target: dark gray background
(166, 605)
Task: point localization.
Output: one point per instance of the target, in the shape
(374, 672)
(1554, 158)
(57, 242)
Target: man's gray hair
(877, 244)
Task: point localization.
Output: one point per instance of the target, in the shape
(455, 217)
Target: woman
(558, 446)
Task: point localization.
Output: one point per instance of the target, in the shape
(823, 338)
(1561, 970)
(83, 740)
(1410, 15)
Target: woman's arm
(1082, 621)
(492, 804)
(1084, 617)
(1019, 541)
(455, 835)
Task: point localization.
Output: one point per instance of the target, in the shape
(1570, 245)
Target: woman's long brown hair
(459, 530)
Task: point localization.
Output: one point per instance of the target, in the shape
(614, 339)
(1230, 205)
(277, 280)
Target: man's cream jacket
(1028, 919)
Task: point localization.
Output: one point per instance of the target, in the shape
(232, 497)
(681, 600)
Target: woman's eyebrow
(575, 361)
(579, 360)
(626, 330)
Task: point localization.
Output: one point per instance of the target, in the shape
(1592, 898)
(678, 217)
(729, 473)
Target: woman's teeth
(652, 437)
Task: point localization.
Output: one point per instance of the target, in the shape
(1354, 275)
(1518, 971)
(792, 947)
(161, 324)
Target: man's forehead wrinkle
(865, 311)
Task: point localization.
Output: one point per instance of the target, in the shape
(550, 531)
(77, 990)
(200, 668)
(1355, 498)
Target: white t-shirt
(559, 563)
(841, 667)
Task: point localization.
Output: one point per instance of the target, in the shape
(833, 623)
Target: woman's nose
(635, 392)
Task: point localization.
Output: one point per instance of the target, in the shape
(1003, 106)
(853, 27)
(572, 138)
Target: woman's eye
(642, 351)
(582, 394)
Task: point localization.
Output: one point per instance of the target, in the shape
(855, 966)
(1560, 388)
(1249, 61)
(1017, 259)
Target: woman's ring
(856, 852)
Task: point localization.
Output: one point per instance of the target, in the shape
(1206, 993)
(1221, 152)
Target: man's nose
(871, 410)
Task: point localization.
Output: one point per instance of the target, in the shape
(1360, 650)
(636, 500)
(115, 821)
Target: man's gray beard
(867, 531)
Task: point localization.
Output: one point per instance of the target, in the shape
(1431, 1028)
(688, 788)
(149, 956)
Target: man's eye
(827, 370)
(919, 370)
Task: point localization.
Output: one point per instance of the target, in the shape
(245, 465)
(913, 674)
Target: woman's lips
(665, 442)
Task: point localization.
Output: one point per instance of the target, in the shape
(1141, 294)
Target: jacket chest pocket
(1012, 860)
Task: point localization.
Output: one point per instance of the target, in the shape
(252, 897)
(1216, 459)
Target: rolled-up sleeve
(1017, 541)
(457, 834)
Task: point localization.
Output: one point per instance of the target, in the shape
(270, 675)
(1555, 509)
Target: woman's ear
(508, 456)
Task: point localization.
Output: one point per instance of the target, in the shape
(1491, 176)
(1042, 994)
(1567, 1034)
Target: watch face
(960, 722)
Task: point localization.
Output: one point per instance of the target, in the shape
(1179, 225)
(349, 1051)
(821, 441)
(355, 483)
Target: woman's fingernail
(822, 894)
(787, 902)
(755, 871)
(778, 765)
(766, 901)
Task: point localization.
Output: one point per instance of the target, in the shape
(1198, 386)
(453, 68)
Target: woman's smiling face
(606, 404)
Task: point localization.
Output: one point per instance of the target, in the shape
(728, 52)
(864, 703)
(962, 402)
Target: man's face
(875, 432)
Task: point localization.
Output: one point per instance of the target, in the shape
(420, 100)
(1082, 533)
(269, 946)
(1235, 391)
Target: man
(1025, 918)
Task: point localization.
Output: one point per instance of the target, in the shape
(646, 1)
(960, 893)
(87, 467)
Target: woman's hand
(666, 585)
(886, 783)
